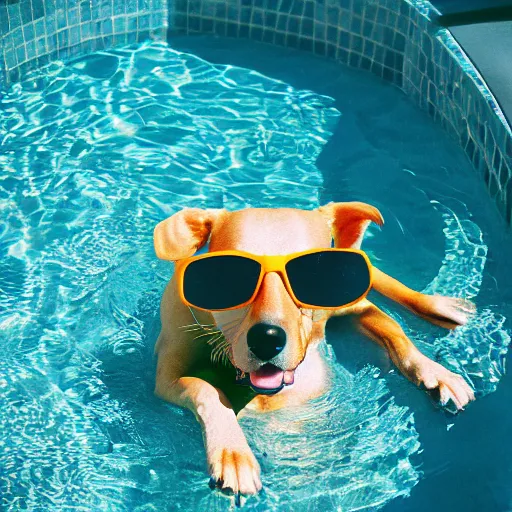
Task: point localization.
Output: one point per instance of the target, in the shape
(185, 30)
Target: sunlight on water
(94, 154)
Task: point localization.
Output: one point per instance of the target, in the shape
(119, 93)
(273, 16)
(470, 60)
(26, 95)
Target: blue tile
(232, 30)
(257, 18)
(39, 28)
(245, 15)
(143, 22)
(306, 28)
(21, 54)
(268, 36)
(119, 8)
(270, 20)
(207, 26)
(74, 36)
(282, 22)
(14, 16)
(86, 31)
(51, 42)
(293, 24)
(4, 19)
(28, 32)
(286, 5)
(17, 36)
(95, 12)
(38, 9)
(356, 43)
(333, 16)
(280, 39)
(320, 32)
(31, 50)
(332, 35)
(221, 11)
(10, 59)
(344, 41)
(244, 31)
(132, 23)
(345, 20)
(119, 25)
(306, 44)
(354, 59)
(26, 12)
(40, 46)
(106, 10)
(356, 25)
(233, 12)
(62, 20)
(73, 16)
(297, 7)
(85, 11)
(292, 41)
(309, 9)
(399, 42)
(63, 38)
(369, 48)
(256, 33)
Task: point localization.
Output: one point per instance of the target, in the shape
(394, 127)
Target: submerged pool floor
(95, 152)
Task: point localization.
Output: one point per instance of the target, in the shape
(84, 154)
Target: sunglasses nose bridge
(273, 264)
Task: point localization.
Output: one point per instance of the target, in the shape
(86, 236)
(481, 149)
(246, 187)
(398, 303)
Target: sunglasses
(315, 279)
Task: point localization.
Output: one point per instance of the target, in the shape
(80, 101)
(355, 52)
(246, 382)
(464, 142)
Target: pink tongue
(267, 377)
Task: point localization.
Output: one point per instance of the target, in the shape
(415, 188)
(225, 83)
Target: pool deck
(486, 38)
(489, 46)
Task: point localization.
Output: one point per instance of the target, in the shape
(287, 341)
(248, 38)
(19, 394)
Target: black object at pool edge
(486, 15)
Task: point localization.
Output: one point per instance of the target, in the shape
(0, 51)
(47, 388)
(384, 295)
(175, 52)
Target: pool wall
(394, 39)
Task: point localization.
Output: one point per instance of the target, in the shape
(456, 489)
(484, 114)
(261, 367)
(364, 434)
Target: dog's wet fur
(203, 357)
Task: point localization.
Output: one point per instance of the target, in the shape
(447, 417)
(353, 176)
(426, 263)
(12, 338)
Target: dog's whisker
(215, 333)
(198, 326)
(217, 338)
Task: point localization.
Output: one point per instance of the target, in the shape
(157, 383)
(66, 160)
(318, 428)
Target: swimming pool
(97, 151)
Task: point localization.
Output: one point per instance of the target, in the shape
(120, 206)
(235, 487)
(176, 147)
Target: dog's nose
(266, 341)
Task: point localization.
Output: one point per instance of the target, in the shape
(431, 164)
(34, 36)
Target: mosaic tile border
(397, 40)
(33, 32)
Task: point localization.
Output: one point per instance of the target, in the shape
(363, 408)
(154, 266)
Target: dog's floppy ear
(182, 234)
(349, 222)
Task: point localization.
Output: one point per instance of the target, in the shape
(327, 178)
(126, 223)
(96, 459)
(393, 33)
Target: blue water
(94, 153)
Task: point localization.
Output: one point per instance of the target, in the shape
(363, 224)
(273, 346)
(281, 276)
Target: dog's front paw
(232, 465)
(448, 312)
(435, 377)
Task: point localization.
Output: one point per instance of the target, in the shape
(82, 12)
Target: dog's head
(268, 339)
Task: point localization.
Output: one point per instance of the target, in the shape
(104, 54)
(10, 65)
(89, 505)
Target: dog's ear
(349, 222)
(182, 234)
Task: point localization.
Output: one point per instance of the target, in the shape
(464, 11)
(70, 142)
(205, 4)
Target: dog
(270, 345)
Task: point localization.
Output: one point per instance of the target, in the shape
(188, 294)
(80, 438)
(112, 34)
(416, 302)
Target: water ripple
(94, 153)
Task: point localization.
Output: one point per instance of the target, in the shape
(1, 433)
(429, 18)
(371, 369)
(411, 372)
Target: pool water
(95, 152)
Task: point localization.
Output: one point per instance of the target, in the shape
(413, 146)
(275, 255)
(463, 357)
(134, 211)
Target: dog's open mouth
(269, 379)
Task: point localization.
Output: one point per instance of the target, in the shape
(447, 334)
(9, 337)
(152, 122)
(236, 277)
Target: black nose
(266, 341)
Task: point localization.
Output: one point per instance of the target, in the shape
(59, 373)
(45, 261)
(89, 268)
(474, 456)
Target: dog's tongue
(267, 377)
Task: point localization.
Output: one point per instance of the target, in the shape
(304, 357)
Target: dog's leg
(231, 463)
(448, 312)
(411, 362)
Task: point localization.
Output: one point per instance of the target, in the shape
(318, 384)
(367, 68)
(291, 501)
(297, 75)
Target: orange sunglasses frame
(268, 264)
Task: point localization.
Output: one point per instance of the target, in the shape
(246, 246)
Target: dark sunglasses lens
(220, 282)
(329, 279)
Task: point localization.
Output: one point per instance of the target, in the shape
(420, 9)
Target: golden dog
(190, 372)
